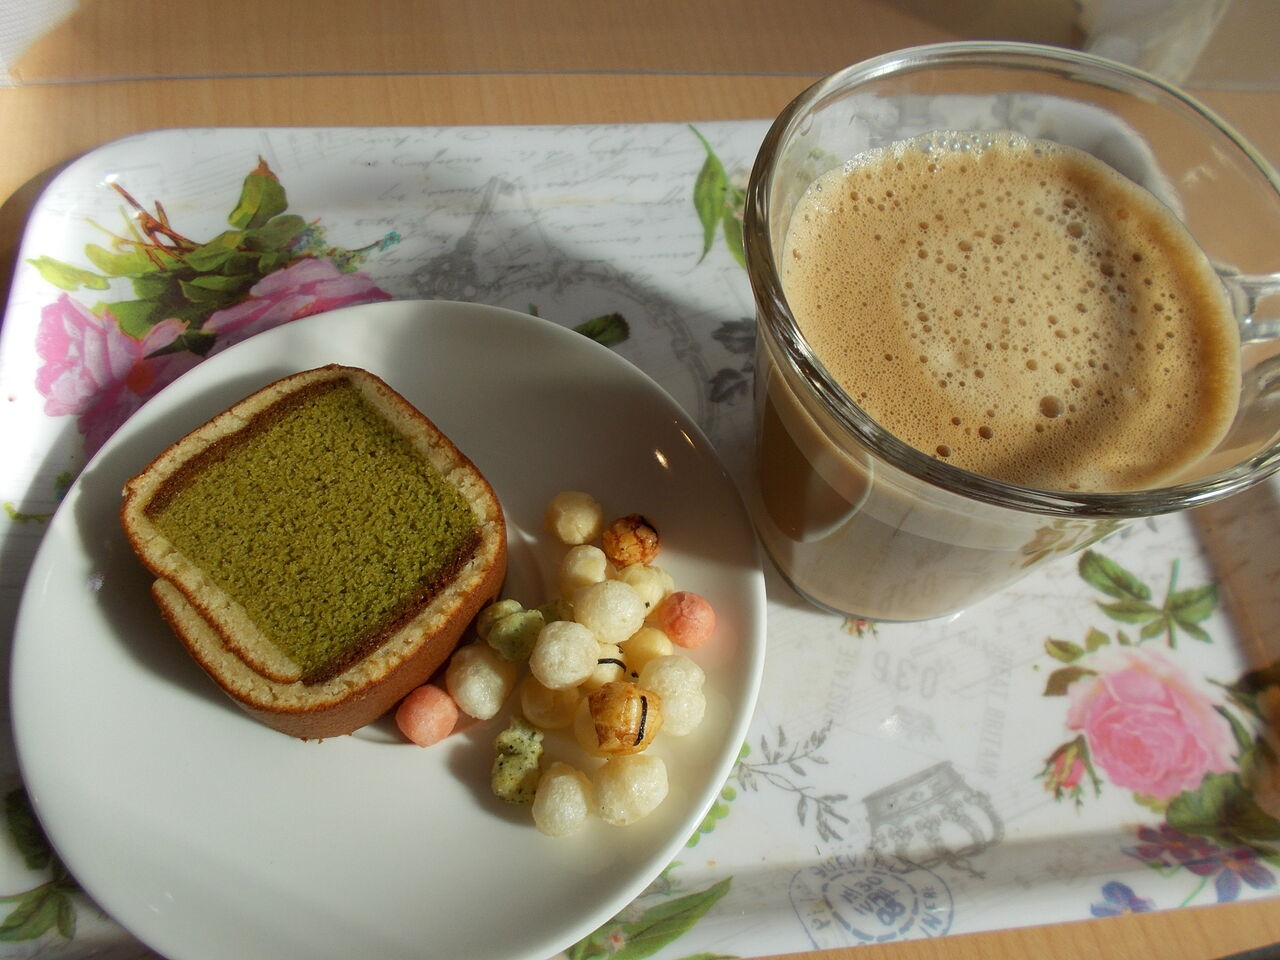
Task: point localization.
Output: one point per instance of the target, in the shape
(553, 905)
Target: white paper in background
(21, 24)
(1164, 37)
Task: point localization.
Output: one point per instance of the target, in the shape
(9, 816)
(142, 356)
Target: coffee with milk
(1020, 310)
(1009, 306)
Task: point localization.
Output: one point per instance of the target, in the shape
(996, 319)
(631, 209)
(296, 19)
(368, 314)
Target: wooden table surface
(117, 67)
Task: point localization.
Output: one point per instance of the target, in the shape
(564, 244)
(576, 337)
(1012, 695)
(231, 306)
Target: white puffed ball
(678, 681)
(574, 517)
(671, 674)
(610, 609)
(564, 655)
(629, 788)
(479, 680)
(646, 644)
(563, 801)
(547, 708)
(581, 566)
(651, 583)
(609, 667)
(682, 712)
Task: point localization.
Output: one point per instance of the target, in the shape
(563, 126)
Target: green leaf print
(1181, 612)
(709, 192)
(25, 830)
(177, 283)
(36, 912)
(212, 285)
(216, 253)
(1223, 808)
(1188, 608)
(134, 317)
(1063, 650)
(660, 925)
(719, 204)
(733, 227)
(276, 233)
(1060, 680)
(64, 276)
(1130, 611)
(610, 329)
(1111, 578)
(66, 918)
(195, 341)
(155, 286)
(19, 516)
(261, 198)
(1244, 740)
(119, 263)
(719, 810)
(651, 931)
(47, 906)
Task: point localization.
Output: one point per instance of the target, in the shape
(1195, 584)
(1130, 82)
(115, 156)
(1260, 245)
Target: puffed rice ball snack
(650, 582)
(629, 540)
(564, 655)
(601, 661)
(547, 708)
(609, 609)
(646, 644)
(630, 788)
(479, 680)
(563, 800)
(678, 681)
(583, 565)
(574, 517)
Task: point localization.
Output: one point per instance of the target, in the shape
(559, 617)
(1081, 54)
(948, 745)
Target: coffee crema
(1016, 308)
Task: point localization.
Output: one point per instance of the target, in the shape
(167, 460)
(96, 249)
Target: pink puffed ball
(686, 618)
(427, 715)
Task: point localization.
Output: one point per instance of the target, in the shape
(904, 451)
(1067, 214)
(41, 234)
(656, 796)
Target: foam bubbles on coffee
(1018, 309)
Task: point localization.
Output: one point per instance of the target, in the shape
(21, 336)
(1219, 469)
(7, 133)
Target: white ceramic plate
(209, 835)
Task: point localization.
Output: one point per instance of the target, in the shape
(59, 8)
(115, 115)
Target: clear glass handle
(1259, 314)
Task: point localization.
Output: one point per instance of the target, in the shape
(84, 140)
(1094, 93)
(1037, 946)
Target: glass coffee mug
(865, 525)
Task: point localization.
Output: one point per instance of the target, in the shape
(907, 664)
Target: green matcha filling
(324, 524)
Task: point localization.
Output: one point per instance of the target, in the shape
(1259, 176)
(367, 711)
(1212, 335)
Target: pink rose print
(1146, 727)
(303, 288)
(101, 375)
(1068, 773)
(94, 371)
(1065, 771)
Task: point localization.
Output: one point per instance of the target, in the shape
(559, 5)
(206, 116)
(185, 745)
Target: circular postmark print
(848, 900)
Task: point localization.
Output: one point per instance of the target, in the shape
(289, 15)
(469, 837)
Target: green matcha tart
(319, 548)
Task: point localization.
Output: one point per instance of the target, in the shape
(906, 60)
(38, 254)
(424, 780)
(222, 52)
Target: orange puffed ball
(629, 540)
(686, 618)
(427, 715)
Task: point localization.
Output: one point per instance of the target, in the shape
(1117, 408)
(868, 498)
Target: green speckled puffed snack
(517, 762)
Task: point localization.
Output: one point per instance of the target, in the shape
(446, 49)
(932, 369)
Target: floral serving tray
(1102, 738)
